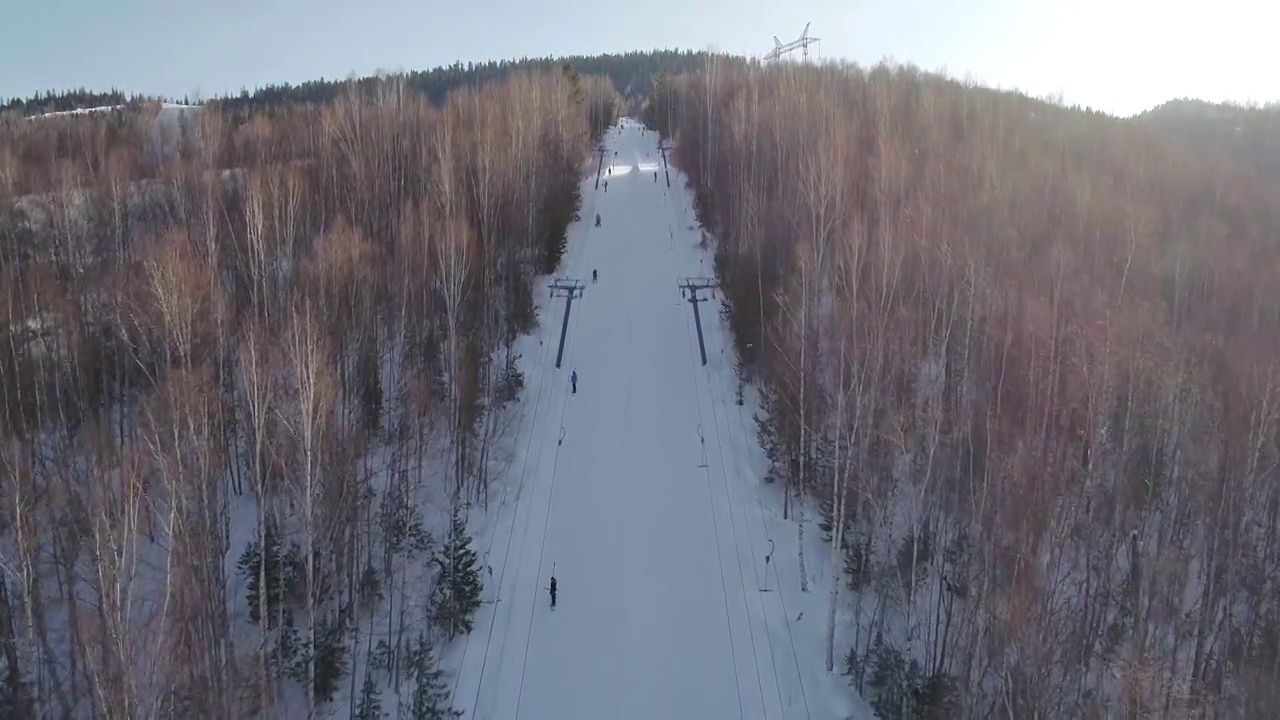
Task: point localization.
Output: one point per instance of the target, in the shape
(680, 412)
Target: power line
(802, 44)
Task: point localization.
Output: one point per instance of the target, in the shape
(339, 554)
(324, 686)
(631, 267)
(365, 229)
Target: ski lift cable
(743, 435)
(781, 599)
(544, 391)
(733, 526)
(768, 565)
(585, 256)
(715, 525)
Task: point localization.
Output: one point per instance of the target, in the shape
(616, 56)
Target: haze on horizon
(1120, 56)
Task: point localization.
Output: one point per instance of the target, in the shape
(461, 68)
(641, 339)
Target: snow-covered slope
(679, 582)
(167, 127)
(167, 109)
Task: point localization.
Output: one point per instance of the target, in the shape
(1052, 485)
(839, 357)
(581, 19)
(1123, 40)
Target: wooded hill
(63, 101)
(289, 342)
(630, 73)
(1026, 358)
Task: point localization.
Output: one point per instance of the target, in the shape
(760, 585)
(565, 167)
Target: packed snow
(165, 108)
(679, 583)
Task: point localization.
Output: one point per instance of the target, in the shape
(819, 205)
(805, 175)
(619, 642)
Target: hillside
(253, 387)
(1248, 134)
(631, 74)
(1025, 357)
(973, 413)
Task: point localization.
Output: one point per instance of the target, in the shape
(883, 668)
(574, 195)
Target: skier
(594, 275)
(553, 591)
(655, 176)
(606, 186)
(573, 380)
(597, 219)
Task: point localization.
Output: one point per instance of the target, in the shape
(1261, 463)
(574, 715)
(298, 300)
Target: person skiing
(553, 591)
(597, 219)
(573, 380)
(655, 176)
(606, 186)
(595, 275)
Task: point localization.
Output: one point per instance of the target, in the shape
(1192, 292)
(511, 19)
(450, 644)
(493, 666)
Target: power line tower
(569, 289)
(689, 288)
(802, 44)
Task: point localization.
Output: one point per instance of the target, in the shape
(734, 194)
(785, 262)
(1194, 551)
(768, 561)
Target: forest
(1025, 359)
(632, 74)
(1020, 357)
(253, 387)
(63, 101)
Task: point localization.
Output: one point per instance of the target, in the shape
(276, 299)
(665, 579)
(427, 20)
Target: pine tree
(458, 583)
(826, 514)
(430, 693)
(330, 654)
(370, 707)
(857, 562)
(281, 572)
(896, 684)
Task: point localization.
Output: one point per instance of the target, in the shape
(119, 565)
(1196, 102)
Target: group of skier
(573, 376)
(609, 171)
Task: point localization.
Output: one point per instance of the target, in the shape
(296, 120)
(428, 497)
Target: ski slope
(640, 493)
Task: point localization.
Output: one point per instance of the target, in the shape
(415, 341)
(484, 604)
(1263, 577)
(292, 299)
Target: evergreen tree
(939, 698)
(826, 521)
(456, 596)
(895, 682)
(370, 707)
(283, 571)
(773, 444)
(899, 688)
(430, 692)
(330, 653)
(857, 561)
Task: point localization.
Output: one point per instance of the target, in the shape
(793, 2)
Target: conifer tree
(430, 693)
(458, 583)
(370, 707)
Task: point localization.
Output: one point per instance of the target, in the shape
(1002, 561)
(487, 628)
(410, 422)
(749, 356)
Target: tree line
(632, 74)
(253, 386)
(1023, 357)
(62, 101)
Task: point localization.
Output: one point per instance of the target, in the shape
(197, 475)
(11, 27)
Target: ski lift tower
(802, 44)
(689, 288)
(569, 289)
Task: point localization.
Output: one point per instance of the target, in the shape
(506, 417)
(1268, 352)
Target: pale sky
(1122, 56)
